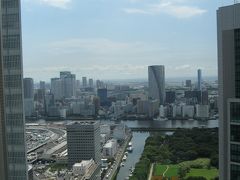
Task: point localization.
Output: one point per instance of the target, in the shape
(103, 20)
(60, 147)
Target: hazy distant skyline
(107, 39)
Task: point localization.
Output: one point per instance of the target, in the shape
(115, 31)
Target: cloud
(135, 11)
(101, 46)
(175, 8)
(62, 4)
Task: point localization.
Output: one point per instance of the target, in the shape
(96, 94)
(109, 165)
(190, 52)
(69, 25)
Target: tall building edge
(13, 153)
(228, 35)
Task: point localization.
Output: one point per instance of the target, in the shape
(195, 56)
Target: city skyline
(119, 40)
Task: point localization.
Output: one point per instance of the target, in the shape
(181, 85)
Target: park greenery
(186, 152)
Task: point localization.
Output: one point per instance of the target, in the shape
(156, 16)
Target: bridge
(152, 129)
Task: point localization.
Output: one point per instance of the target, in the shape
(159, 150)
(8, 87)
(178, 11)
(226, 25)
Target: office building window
(235, 112)
(235, 172)
(235, 153)
(235, 129)
(237, 62)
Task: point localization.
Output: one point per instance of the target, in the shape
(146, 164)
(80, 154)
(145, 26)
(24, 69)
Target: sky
(118, 39)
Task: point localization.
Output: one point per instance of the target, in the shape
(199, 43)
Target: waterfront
(138, 141)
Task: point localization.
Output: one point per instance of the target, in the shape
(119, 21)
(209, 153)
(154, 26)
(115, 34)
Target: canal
(138, 141)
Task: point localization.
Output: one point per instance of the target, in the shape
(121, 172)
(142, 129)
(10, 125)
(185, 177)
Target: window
(10, 21)
(235, 112)
(11, 42)
(235, 129)
(235, 172)
(235, 153)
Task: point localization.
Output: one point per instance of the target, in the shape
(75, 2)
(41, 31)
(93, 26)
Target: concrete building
(228, 22)
(187, 111)
(202, 111)
(119, 132)
(12, 123)
(199, 82)
(156, 83)
(83, 141)
(110, 148)
(86, 170)
(150, 108)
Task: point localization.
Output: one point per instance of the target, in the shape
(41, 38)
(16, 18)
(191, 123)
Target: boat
(124, 158)
(126, 153)
(122, 164)
(130, 149)
(130, 144)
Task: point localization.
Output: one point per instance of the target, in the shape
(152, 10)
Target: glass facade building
(12, 124)
(228, 21)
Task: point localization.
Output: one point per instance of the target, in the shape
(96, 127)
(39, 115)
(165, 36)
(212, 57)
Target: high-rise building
(156, 82)
(83, 142)
(12, 123)
(90, 83)
(199, 83)
(57, 88)
(84, 82)
(28, 88)
(170, 97)
(69, 85)
(102, 94)
(228, 21)
(42, 85)
(188, 83)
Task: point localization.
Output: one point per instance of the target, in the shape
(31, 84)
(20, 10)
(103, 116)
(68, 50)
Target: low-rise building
(110, 148)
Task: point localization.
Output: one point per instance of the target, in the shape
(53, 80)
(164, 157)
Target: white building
(83, 167)
(187, 111)
(105, 129)
(119, 132)
(110, 148)
(202, 111)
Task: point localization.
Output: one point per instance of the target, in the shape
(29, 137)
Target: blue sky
(118, 39)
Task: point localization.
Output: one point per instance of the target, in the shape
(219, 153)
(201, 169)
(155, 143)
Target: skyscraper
(83, 142)
(90, 83)
(28, 87)
(84, 82)
(229, 91)
(199, 83)
(12, 123)
(156, 82)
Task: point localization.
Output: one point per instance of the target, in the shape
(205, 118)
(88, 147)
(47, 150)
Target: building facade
(83, 142)
(229, 91)
(12, 123)
(199, 83)
(156, 83)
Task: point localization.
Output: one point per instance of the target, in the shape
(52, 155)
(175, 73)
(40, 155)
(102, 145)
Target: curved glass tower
(156, 83)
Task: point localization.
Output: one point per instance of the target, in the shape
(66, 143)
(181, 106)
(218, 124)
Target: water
(139, 138)
(138, 141)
